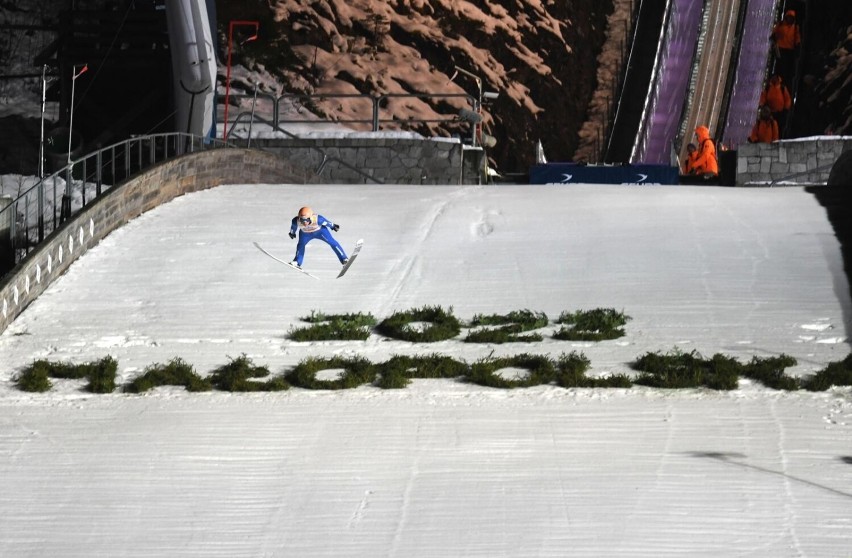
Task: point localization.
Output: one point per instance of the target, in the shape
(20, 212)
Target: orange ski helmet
(306, 214)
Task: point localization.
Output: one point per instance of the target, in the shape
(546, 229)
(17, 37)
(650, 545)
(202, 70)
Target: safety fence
(42, 208)
(355, 112)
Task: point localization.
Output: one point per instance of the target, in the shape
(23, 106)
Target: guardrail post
(65, 211)
(54, 198)
(12, 210)
(40, 211)
(127, 155)
(83, 189)
(376, 112)
(99, 176)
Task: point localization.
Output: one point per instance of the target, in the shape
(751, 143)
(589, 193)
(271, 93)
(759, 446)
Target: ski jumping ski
(351, 258)
(288, 264)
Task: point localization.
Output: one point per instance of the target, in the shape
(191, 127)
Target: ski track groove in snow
(789, 496)
(405, 269)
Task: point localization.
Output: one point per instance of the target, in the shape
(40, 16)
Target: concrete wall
(388, 159)
(188, 173)
(810, 159)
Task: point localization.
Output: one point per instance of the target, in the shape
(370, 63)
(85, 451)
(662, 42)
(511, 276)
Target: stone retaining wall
(804, 161)
(356, 158)
(188, 173)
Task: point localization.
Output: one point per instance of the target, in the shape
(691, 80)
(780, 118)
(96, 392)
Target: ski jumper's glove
(336, 227)
(292, 235)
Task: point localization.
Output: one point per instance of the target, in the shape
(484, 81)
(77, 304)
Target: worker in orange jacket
(765, 130)
(777, 97)
(706, 164)
(786, 38)
(689, 160)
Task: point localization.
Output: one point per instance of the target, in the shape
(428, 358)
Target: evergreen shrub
(687, 370)
(837, 373)
(770, 372)
(571, 373)
(398, 372)
(176, 372)
(35, 378)
(357, 371)
(238, 375)
(599, 324)
(100, 373)
(443, 325)
(335, 327)
(510, 327)
(541, 371)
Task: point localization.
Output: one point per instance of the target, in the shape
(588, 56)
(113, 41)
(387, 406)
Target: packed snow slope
(440, 468)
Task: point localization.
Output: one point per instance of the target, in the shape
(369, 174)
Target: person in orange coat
(689, 160)
(765, 130)
(786, 38)
(706, 164)
(777, 97)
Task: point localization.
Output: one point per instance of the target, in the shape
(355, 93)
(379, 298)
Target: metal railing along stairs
(44, 207)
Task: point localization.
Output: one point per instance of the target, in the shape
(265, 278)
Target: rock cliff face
(540, 55)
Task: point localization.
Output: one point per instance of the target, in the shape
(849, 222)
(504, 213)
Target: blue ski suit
(318, 227)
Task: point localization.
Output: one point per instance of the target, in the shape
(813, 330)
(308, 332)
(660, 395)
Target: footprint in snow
(484, 226)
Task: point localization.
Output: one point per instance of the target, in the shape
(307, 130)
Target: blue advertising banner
(631, 175)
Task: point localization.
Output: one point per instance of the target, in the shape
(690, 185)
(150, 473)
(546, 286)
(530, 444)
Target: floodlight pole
(41, 140)
(256, 25)
(74, 77)
(65, 212)
(41, 156)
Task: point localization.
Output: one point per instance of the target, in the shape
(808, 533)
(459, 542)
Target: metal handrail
(45, 206)
(375, 103)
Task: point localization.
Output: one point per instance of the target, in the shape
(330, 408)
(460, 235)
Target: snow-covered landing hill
(440, 468)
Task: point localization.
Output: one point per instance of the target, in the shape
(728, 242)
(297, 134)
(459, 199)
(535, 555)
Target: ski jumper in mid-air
(312, 225)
